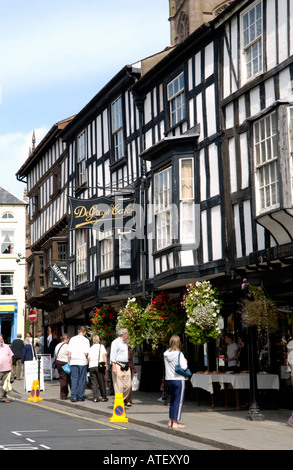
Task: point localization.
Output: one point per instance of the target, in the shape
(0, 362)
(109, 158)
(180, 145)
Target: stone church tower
(187, 15)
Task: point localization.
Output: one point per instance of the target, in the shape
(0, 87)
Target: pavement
(220, 427)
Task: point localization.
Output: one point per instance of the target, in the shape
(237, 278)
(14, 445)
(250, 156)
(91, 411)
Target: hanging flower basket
(131, 317)
(103, 323)
(257, 309)
(163, 317)
(203, 312)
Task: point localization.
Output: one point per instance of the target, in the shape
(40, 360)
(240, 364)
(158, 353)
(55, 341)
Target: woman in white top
(97, 355)
(61, 358)
(176, 382)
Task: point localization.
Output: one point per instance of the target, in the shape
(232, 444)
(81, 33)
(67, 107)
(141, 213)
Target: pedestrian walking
(176, 382)
(28, 351)
(121, 372)
(128, 399)
(98, 365)
(6, 355)
(78, 350)
(16, 348)
(61, 358)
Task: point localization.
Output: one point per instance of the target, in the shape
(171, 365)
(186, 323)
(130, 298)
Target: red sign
(32, 315)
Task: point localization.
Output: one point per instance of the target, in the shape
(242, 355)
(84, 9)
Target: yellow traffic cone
(119, 410)
(35, 392)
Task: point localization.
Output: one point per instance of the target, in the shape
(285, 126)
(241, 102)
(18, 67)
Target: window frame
(11, 241)
(11, 284)
(106, 256)
(266, 163)
(176, 99)
(186, 236)
(248, 46)
(124, 235)
(163, 210)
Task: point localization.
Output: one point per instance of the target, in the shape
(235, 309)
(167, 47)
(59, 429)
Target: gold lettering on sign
(94, 214)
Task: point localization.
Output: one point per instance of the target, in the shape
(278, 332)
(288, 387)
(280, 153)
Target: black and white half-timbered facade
(45, 173)
(198, 143)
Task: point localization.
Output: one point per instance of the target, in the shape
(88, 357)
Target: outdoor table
(236, 381)
(205, 382)
(242, 381)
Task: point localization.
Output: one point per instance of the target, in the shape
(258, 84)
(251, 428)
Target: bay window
(163, 207)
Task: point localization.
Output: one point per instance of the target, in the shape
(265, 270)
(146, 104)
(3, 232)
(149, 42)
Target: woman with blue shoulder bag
(176, 382)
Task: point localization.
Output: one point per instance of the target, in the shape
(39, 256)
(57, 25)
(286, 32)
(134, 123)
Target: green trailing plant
(257, 309)
(203, 312)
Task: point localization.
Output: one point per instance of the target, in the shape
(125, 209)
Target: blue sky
(56, 55)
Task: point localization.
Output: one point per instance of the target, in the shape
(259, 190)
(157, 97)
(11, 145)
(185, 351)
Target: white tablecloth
(205, 381)
(237, 381)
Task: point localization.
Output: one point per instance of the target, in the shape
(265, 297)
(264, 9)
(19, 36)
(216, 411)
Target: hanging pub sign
(100, 214)
(59, 275)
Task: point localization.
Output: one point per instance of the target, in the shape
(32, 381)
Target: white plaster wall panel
(211, 114)
(234, 51)
(190, 75)
(233, 166)
(209, 60)
(105, 131)
(202, 179)
(247, 227)
(255, 101)
(147, 108)
(271, 52)
(214, 170)
(282, 30)
(200, 115)
(197, 69)
(99, 136)
(270, 92)
(285, 84)
(237, 231)
(244, 161)
(226, 69)
(204, 237)
(216, 220)
(229, 115)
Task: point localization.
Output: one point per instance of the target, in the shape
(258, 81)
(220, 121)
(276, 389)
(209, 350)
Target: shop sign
(59, 275)
(100, 214)
(6, 307)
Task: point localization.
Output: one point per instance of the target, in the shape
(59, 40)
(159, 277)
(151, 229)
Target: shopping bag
(66, 368)
(135, 383)
(7, 387)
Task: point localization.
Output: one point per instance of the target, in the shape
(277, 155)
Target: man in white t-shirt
(78, 350)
